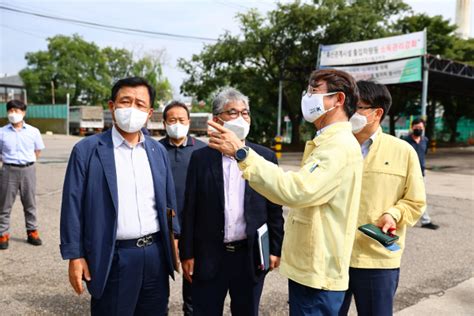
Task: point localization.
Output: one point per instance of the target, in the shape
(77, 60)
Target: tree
(119, 62)
(73, 65)
(87, 72)
(442, 41)
(282, 46)
(150, 68)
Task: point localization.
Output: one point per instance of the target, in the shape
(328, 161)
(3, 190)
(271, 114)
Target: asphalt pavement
(436, 273)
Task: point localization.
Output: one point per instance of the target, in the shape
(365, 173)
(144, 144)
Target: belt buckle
(144, 241)
(230, 248)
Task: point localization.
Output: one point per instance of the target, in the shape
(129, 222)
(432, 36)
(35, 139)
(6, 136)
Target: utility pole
(424, 93)
(53, 99)
(67, 113)
(280, 96)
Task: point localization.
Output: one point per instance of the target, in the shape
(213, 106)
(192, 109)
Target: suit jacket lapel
(218, 173)
(105, 151)
(158, 177)
(155, 170)
(248, 189)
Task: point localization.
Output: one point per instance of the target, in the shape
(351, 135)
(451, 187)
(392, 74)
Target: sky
(20, 33)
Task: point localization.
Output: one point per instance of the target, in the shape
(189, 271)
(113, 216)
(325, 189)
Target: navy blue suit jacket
(90, 204)
(202, 234)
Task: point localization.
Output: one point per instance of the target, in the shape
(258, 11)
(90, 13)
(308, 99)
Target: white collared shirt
(137, 215)
(320, 131)
(234, 193)
(365, 147)
(183, 144)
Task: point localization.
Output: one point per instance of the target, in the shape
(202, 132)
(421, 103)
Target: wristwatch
(242, 153)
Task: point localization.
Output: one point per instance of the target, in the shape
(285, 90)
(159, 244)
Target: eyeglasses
(312, 90)
(365, 107)
(234, 113)
(126, 103)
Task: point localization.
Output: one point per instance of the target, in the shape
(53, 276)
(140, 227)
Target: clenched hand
(188, 269)
(78, 270)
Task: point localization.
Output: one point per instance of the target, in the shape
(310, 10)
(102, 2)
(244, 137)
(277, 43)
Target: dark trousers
(187, 298)
(13, 180)
(373, 290)
(137, 284)
(306, 301)
(233, 277)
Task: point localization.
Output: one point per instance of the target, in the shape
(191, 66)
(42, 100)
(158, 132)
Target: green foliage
(440, 32)
(85, 71)
(463, 51)
(282, 45)
(150, 67)
(441, 41)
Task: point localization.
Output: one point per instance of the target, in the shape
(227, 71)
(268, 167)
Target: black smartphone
(376, 233)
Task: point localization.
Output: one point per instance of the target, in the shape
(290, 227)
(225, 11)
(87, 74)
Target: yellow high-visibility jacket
(324, 200)
(392, 183)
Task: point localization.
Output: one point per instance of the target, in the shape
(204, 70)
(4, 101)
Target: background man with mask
(20, 147)
(113, 216)
(180, 146)
(419, 142)
(218, 244)
(392, 197)
(323, 195)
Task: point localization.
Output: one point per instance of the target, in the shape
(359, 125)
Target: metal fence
(47, 111)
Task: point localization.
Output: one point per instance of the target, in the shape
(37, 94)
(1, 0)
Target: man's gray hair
(227, 95)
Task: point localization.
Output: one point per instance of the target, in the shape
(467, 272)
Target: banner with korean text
(400, 71)
(372, 51)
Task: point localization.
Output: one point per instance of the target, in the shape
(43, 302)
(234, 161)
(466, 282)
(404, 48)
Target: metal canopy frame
(450, 67)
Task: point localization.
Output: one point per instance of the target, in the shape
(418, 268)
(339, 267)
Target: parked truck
(86, 119)
(199, 123)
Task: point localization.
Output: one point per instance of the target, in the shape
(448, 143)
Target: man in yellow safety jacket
(393, 198)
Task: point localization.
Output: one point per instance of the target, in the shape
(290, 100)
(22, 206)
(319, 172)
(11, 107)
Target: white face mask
(130, 120)
(239, 126)
(15, 118)
(358, 122)
(312, 106)
(177, 130)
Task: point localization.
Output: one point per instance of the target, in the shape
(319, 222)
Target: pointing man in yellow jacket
(323, 195)
(392, 198)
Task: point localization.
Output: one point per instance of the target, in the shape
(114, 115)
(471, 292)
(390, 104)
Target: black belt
(144, 241)
(19, 166)
(233, 246)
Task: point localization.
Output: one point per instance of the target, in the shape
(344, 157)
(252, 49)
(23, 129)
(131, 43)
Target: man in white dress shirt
(114, 229)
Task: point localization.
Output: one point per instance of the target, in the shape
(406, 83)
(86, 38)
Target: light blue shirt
(365, 147)
(18, 146)
(137, 215)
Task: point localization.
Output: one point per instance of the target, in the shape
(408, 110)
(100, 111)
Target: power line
(22, 31)
(233, 5)
(107, 27)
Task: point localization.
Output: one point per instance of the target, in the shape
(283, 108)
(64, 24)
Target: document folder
(263, 247)
(170, 213)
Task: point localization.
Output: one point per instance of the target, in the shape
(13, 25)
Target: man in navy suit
(218, 244)
(114, 229)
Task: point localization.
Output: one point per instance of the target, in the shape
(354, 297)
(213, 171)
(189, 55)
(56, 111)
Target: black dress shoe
(430, 226)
